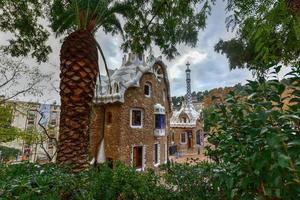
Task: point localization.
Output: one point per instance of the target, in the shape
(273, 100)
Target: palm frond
(87, 14)
(105, 63)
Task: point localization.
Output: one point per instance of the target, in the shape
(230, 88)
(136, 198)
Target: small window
(183, 138)
(31, 118)
(109, 117)
(147, 90)
(51, 143)
(173, 136)
(136, 118)
(116, 86)
(53, 118)
(156, 154)
(164, 96)
(109, 87)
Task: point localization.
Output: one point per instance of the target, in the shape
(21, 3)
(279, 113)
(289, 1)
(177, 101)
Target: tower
(188, 96)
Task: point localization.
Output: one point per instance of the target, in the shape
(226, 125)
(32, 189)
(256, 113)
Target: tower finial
(188, 86)
(188, 64)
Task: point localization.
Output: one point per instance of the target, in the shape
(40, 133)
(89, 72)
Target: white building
(41, 120)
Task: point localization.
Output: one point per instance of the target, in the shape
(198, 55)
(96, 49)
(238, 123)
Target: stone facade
(194, 137)
(112, 118)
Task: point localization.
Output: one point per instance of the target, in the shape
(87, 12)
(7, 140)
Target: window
(199, 137)
(173, 136)
(164, 96)
(183, 138)
(156, 154)
(166, 152)
(51, 142)
(147, 90)
(53, 118)
(116, 86)
(109, 117)
(31, 118)
(158, 72)
(136, 118)
(137, 161)
(160, 121)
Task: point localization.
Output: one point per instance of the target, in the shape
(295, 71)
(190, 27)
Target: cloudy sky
(209, 69)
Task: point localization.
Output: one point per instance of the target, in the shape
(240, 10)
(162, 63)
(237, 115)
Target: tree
(17, 79)
(268, 34)
(7, 132)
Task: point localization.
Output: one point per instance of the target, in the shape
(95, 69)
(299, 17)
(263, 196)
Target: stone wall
(135, 98)
(119, 136)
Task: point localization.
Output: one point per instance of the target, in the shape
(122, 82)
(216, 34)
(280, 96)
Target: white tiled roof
(190, 111)
(128, 75)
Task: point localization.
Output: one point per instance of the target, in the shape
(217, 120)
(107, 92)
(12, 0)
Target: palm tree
(79, 70)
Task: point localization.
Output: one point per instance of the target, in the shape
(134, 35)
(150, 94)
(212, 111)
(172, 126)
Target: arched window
(147, 89)
(116, 87)
(109, 88)
(158, 72)
(164, 95)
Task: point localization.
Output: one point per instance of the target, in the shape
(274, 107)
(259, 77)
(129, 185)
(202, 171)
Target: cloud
(177, 67)
(209, 69)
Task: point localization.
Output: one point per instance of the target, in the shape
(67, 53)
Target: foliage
(24, 20)
(30, 181)
(7, 132)
(8, 153)
(145, 23)
(267, 34)
(198, 181)
(257, 139)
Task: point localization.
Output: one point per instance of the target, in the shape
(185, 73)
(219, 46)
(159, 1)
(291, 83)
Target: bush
(257, 140)
(31, 181)
(8, 153)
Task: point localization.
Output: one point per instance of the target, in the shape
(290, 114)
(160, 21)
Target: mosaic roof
(128, 75)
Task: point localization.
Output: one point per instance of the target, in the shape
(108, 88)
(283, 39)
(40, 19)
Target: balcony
(159, 132)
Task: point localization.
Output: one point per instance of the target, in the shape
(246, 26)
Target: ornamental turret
(188, 96)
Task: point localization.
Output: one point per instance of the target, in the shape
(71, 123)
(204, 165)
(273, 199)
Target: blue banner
(45, 112)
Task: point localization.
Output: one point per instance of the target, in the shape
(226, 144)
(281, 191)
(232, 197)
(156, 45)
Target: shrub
(31, 181)
(257, 140)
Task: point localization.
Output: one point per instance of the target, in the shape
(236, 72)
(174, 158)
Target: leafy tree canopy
(268, 33)
(157, 22)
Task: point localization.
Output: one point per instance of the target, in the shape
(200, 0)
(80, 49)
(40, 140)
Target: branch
(8, 80)
(16, 94)
(50, 158)
(155, 14)
(105, 64)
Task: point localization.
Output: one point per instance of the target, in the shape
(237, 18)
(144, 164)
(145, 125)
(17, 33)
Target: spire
(188, 86)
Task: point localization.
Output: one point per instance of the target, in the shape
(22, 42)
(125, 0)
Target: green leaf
(295, 143)
(289, 117)
(283, 160)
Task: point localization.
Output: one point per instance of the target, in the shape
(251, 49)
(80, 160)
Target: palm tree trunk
(79, 69)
